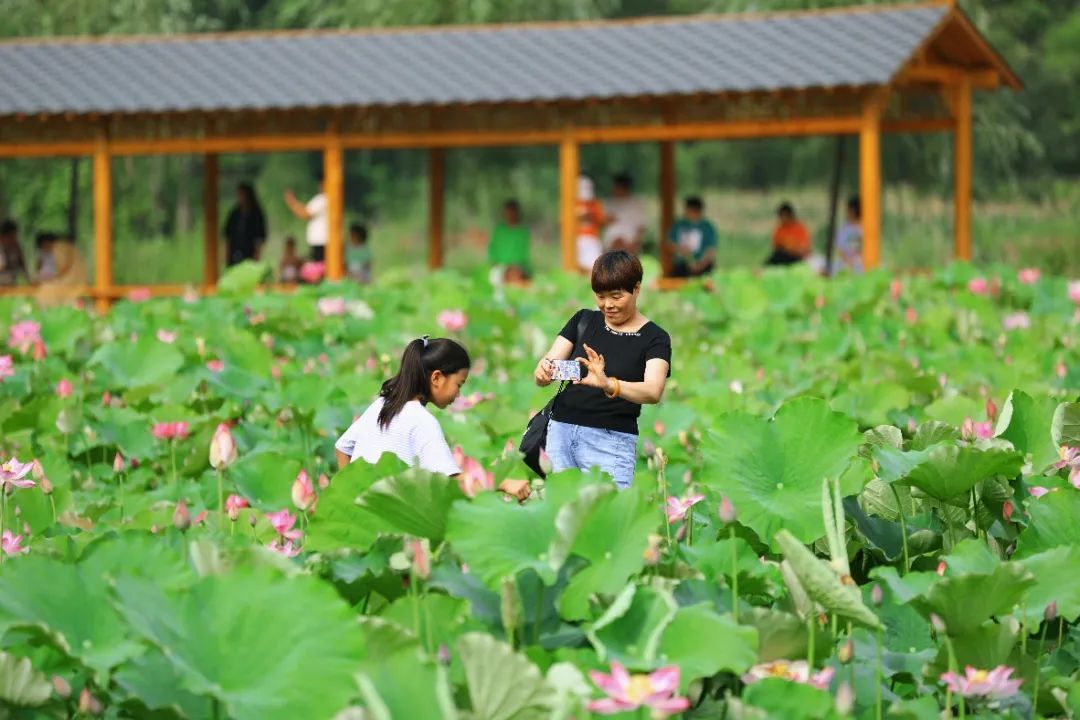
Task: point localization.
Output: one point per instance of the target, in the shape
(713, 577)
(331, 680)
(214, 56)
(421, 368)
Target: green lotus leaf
(783, 635)
(1057, 579)
(933, 432)
(137, 364)
(966, 601)
(1065, 425)
(157, 685)
(780, 698)
(953, 410)
(246, 655)
(772, 470)
(404, 684)
(1027, 423)
(241, 279)
(265, 479)
(433, 619)
(338, 521)
(1052, 522)
(502, 684)
(950, 471)
(823, 585)
(703, 643)
(20, 684)
(414, 502)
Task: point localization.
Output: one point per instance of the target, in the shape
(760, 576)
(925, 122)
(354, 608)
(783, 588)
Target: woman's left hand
(596, 376)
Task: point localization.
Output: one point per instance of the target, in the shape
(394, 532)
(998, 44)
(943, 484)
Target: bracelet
(618, 389)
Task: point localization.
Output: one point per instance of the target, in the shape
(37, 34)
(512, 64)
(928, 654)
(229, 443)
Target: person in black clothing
(12, 263)
(245, 228)
(625, 362)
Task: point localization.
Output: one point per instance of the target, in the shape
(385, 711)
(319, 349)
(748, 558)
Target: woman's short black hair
(616, 270)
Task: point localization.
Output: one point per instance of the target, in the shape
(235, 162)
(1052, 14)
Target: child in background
(358, 255)
(508, 248)
(289, 268)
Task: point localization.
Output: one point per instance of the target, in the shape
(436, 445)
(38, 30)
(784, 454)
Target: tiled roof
(433, 66)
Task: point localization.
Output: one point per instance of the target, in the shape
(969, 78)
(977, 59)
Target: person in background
(245, 227)
(695, 242)
(626, 216)
(849, 238)
(626, 361)
(791, 239)
(432, 372)
(289, 267)
(63, 270)
(12, 263)
(508, 247)
(358, 255)
(590, 220)
(314, 212)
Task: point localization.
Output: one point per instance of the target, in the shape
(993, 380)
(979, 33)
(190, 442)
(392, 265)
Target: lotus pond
(859, 498)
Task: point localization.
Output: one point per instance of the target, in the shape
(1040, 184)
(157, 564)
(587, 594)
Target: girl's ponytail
(421, 358)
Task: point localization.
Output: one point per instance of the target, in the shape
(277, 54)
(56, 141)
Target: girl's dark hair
(421, 358)
(616, 270)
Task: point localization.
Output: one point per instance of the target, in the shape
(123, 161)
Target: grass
(917, 234)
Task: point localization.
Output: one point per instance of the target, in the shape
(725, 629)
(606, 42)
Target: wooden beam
(569, 162)
(334, 187)
(918, 125)
(949, 75)
(103, 221)
(870, 181)
(666, 192)
(436, 206)
(210, 219)
(47, 149)
(962, 172)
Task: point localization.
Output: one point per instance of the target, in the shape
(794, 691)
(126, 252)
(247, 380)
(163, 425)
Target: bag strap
(582, 326)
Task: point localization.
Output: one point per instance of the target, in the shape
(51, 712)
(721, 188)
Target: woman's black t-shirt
(625, 355)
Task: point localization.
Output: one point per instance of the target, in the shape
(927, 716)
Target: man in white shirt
(627, 214)
(314, 212)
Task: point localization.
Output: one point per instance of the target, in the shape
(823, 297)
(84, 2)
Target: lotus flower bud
(443, 655)
(181, 519)
(89, 704)
(545, 462)
(937, 623)
(727, 511)
(62, 687)
(876, 595)
(991, 410)
(941, 568)
(1007, 510)
(846, 651)
(252, 520)
(845, 699)
(222, 448)
(46, 486)
(324, 481)
(1051, 612)
(303, 494)
(118, 463)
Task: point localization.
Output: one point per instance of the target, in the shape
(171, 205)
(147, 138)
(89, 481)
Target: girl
(398, 422)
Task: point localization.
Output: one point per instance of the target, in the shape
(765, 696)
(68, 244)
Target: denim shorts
(577, 446)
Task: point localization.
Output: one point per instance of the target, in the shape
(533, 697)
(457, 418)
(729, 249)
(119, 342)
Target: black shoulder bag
(534, 439)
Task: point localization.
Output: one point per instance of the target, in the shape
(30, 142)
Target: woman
(432, 371)
(61, 270)
(245, 228)
(626, 360)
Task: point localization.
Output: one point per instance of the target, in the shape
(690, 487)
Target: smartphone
(566, 370)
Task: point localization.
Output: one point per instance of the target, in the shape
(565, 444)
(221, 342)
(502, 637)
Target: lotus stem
(172, 458)
(1038, 668)
(810, 640)
(878, 675)
(952, 668)
(903, 528)
(121, 500)
(662, 479)
(689, 526)
(1061, 630)
(734, 575)
(3, 514)
(536, 624)
(221, 497)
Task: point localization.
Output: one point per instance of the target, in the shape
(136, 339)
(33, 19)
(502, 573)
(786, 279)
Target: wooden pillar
(962, 169)
(569, 164)
(870, 182)
(334, 180)
(210, 219)
(667, 203)
(436, 206)
(103, 223)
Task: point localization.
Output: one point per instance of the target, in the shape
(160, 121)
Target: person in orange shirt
(791, 239)
(590, 220)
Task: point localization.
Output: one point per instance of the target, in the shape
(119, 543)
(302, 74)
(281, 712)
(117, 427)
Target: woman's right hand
(545, 369)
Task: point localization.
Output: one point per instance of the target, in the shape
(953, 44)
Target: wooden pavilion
(862, 71)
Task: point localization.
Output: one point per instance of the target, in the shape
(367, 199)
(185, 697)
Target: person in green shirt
(509, 244)
(358, 255)
(694, 238)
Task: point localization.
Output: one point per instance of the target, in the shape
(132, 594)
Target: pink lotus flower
(1067, 457)
(941, 568)
(452, 320)
(7, 368)
(200, 517)
(993, 684)
(895, 288)
(331, 306)
(170, 430)
(12, 544)
(468, 402)
(1028, 276)
(139, 294)
(655, 691)
(979, 286)
(181, 518)
(911, 316)
(287, 549)
(1016, 321)
(420, 554)
(233, 505)
(971, 430)
(13, 473)
(678, 507)
(1074, 477)
(166, 336)
(23, 335)
(796, 671)
(215, 366)
(312, 272)
(1037, 491)
(39, 350)
(1074, 291)
(303, 493)
(282, 523)
(64, 388)
(659, 428)
(473, 478)
(222, 448)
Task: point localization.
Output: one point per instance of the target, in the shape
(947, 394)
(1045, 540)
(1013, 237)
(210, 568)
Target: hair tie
(425, 339)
